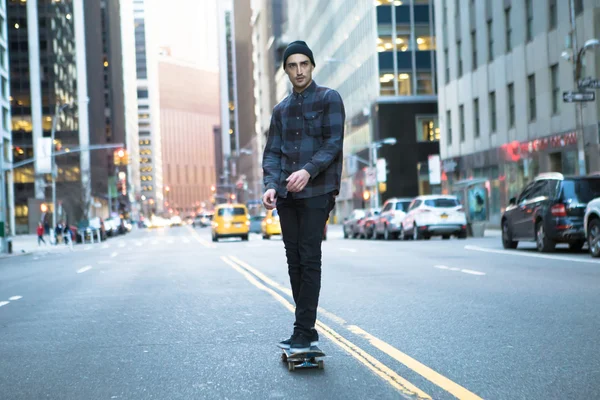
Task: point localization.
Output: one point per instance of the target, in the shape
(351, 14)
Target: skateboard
(306, 359)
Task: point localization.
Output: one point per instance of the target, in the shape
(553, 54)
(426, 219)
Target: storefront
(509, 167)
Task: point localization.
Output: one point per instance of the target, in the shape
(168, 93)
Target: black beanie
(298, 47)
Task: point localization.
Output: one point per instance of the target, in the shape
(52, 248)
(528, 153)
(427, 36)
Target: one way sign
(570, 97)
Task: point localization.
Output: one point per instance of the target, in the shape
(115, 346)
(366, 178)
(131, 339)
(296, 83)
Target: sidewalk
(28, 244)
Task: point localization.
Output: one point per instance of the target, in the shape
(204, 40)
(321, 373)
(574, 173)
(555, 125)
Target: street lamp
(389, 141)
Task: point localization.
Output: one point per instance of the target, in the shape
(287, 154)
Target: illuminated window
(386, 82)
(404, 84)
(21, 211)
(428, 129)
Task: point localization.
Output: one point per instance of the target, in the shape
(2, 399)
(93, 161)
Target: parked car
(591, 224)
(176, 221)
(550, 210)
(351, 221)
(270, 224)
(365, 225)
(434, 215)
(256, 223)
(389, 223)
(231, 220)
(202, 220)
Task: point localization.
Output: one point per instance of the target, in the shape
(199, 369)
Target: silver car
(591, 224)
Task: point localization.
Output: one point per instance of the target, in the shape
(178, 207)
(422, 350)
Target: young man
(302, 167)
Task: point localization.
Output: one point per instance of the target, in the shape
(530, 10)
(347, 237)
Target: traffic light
(366, 195)
(121, 157)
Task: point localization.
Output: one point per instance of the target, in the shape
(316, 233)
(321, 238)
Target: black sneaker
(314, 340)
(300, 344)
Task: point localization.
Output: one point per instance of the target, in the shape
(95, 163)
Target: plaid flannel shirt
(306, 132)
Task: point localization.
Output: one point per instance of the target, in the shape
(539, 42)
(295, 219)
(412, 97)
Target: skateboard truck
(306, 359)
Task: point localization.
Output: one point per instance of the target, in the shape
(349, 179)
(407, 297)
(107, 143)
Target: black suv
(550, 210)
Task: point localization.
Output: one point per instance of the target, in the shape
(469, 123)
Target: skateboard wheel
(321, 364)
(291, 366)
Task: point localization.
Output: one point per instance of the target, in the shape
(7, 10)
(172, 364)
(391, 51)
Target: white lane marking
(200, 240)
(15, 298)
(88, 248)
(348, 249)
(105, 246)
(104, 262)
(121, 245)
(138, 244)
(3, 303)
(186, 240)
(525, 254)
(114, 254)
(466, 271)
(470, 271)
(35, 258)
(84, 269)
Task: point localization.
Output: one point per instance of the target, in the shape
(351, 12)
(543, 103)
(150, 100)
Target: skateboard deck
(307, 359)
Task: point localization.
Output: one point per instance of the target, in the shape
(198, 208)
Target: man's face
(299, 69)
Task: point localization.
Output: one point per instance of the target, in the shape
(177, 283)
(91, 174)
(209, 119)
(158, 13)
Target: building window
(459, 57)
(447, 65)
(511, 105)
(476, 117)
(474, 48)
(490, 34)
(5, 121)
(578, 4)
(428, 129)
(445, 12)
(531, 94)
(553, 14)
(461, 122)
(554, 83)
(508, 29)
(529, 16)
(4, 88)
(492, 111)
(404, 84)
(449, 126)
(386, 82)
(142, 94)
(424, 83)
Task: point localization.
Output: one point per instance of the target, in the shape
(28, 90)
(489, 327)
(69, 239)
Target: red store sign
(516, 151)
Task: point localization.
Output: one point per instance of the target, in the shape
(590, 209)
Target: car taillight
(559, 210)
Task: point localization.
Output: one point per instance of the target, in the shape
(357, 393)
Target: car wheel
(266, 237)
(594, 237)
(445, 237)
(415, 233)
(244, 238)
(543, 242)
(576, 246)
(507, 241)
(215, 238)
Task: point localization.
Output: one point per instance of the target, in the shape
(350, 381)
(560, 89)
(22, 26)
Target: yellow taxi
(230, 220)
(270, 224)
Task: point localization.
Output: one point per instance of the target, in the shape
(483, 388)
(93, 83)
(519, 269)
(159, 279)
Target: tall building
(7, 214)
(268, 17)
(189, 108)
(225, 186)
(380, 57)
(49, 70)
(502, 70)
(150, 149)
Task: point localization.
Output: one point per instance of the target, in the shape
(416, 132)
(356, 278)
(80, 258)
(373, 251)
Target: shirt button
(297, 133)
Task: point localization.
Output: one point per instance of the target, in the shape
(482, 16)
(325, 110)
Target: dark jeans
(302, 224)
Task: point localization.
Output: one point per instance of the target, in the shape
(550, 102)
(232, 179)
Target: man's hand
(269, 199)
(297, 181)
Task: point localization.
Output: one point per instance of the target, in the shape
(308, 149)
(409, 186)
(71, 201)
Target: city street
(168, 314)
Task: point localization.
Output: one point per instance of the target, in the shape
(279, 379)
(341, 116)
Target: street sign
(381, 170)
(370, 176)
(589, 83)
(570, 97)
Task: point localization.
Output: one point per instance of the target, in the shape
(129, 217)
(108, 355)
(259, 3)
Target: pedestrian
(40, 234)
(302, 166)
(58, 233)
(67, 234)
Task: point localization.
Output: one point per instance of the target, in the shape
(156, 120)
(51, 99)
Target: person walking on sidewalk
(40, 234)
(302, 167)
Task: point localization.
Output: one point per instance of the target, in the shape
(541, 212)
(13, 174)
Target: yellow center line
(421, 369)
(362, 356)
(200, 240)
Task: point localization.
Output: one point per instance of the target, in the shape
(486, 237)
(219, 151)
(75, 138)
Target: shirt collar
(310, 89)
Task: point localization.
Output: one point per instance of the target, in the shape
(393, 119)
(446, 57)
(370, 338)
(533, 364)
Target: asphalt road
(167, 314)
